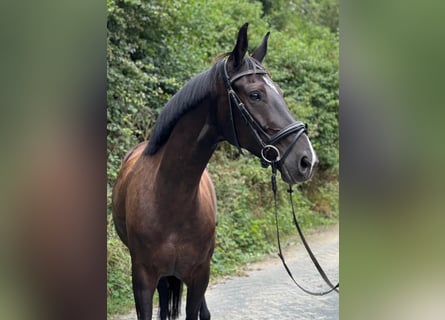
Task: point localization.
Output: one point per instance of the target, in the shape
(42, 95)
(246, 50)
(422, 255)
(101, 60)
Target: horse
(164, 202)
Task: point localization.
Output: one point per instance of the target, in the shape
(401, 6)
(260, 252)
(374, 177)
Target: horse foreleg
(196, 287)
(163, 297)
(204, 313)
(144, 285)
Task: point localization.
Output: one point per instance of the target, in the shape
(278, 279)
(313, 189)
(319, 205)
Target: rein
(267, 148)
(303, 239)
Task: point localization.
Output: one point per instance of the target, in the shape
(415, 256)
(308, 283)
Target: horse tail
(170, 293)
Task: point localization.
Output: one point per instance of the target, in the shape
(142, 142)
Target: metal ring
(267, 148)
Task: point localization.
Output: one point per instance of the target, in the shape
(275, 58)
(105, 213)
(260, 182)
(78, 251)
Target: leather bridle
(269, 152)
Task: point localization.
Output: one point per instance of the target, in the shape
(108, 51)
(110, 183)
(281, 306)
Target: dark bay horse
(164, 203)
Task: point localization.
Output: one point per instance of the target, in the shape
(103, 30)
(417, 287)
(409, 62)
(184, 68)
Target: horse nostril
(305, 163)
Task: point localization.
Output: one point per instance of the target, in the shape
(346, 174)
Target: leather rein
(268, 147)
(303, 239)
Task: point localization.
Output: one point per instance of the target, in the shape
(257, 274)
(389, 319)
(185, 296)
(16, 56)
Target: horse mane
(189, 96)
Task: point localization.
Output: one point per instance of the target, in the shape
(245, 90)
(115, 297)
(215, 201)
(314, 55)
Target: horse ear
(240, 49)
(261, 51)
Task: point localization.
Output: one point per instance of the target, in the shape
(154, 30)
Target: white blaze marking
(270, 84)
(313, 154)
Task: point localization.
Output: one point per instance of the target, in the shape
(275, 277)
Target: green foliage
(119, 290)
(282, 13)
(155, 46)
(321, 12)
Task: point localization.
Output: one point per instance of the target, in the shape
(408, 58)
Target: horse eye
(255, 95)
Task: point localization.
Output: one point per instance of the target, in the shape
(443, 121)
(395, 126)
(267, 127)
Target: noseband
(269, 152)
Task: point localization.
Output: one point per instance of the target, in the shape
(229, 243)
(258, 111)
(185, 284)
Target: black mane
(189, 96)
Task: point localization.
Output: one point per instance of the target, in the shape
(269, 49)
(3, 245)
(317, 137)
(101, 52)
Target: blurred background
(391, 160)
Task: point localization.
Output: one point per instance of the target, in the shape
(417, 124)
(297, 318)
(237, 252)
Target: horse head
(256, 117)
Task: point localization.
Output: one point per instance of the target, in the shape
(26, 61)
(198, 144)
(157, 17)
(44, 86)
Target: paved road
(267, 293)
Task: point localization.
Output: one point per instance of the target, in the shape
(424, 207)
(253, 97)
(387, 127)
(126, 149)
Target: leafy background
(154, 47)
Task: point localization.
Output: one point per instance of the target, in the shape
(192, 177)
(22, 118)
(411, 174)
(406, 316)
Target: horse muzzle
(296, 164)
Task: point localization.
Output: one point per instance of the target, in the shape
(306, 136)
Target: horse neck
(187, 151)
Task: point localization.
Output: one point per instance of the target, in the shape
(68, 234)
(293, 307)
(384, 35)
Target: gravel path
(266, 292)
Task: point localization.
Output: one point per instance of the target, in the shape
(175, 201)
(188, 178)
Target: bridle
(267, 146)
(269, 152)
